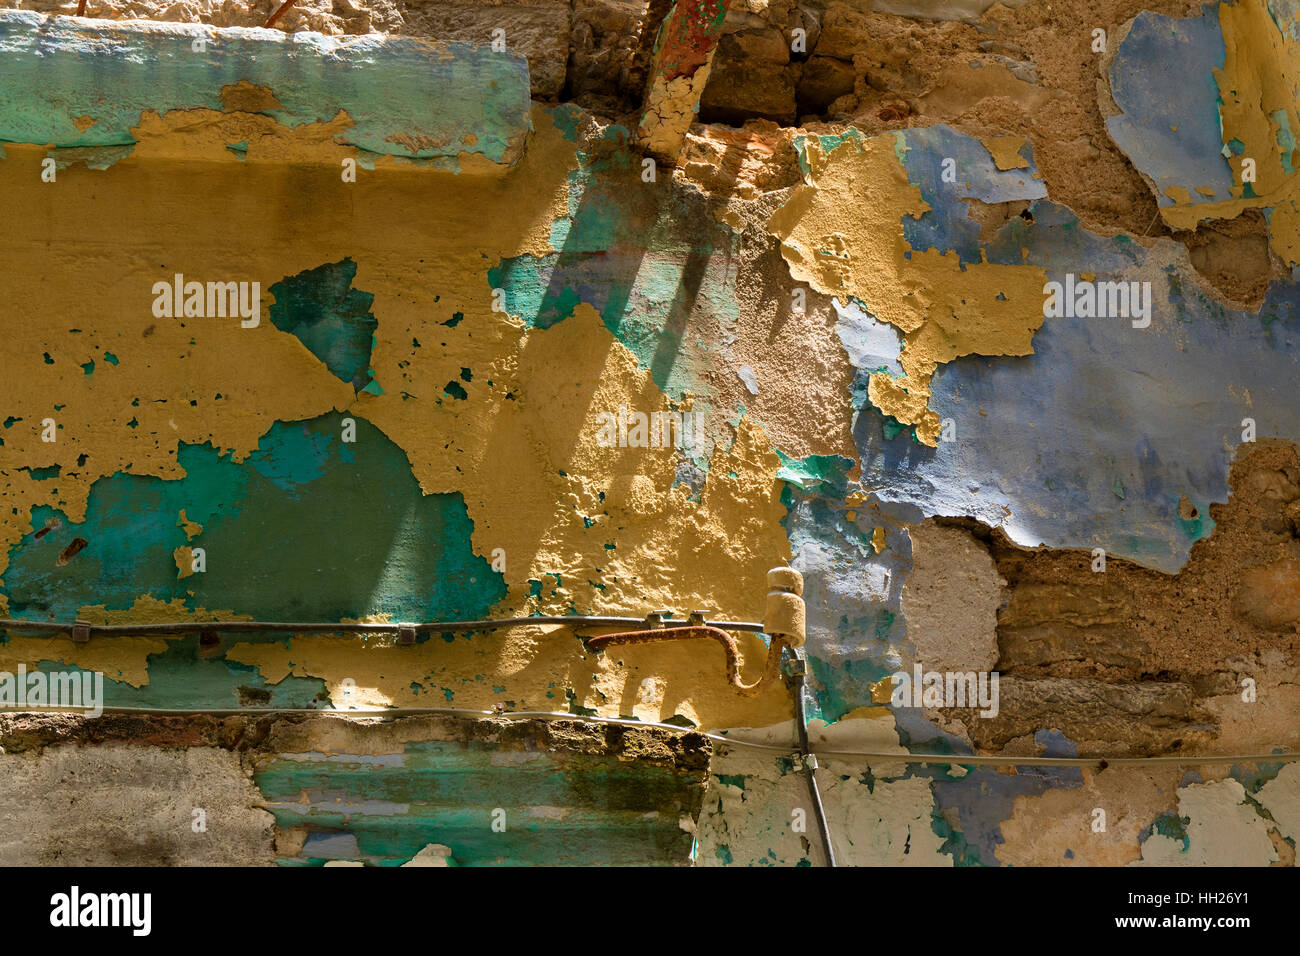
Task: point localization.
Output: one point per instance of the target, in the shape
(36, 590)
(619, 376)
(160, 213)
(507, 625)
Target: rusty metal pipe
(695, 632)
(283, 9)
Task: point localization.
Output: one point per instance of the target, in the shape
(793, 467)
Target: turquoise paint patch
(654, 264)
(188, 675)
(1202, 526)
(1285, 139)
(526, 282)
(386, 810)
(816, 470)
(828, 143)
(566, 118)
(1253, 776)
(1169, 825)
(320, 307)
(308, 528)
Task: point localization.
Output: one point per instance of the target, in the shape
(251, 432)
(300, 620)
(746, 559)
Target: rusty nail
(284, 8)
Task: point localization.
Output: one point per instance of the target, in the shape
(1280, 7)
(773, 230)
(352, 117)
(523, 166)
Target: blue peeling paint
(1162, 78)
(947, 225)
(1044, 440)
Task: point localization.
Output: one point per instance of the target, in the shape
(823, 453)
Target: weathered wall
(412, 430)
(309, 790)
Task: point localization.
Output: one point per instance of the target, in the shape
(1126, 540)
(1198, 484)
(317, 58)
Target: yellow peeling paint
(1005, 151)
(841, 231)
(124, 659)
(653, 683)
(882, 690)
(203, 134)
(184, 558)
(529, 466)
(169, 371)
(192, 529)
(506, 456)
(670, 110)
(878, 539)
(531, 470)
(1260, 77)
(261, 374)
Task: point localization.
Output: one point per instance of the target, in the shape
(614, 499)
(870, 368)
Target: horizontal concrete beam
(78, 83)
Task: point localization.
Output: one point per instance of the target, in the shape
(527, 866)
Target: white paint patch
(870, 344)
(435, 854)
(1224, 830)
(1281, 798)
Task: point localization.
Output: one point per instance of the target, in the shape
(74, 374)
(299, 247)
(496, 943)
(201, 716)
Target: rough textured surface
(853, 311)
(951, 600)
(124, 805)
(311, 790)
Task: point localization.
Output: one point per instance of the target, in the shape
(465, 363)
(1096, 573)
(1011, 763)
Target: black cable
(87, 629)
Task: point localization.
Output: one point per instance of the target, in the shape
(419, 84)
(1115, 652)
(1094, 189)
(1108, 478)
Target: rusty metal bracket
(692, 631)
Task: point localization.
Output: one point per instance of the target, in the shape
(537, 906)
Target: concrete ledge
(78, 83)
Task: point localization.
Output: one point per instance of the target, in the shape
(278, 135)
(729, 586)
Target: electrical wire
(798, 679)
(326, 627)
